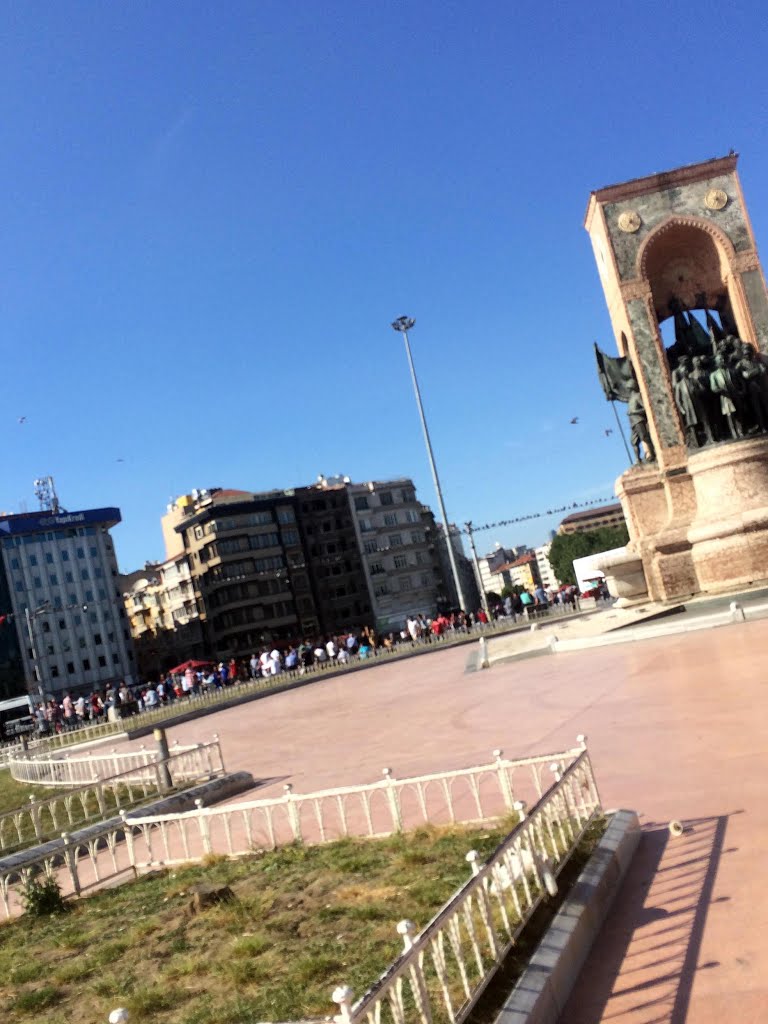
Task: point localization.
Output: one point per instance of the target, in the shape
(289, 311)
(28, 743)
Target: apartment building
(62, 599)
(248, 567)
(593, 519)
(398, 556)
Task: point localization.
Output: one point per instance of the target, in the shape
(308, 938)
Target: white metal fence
(39, 820)
(444, 969)
(140, 842)
(466, 795)
(72, 770)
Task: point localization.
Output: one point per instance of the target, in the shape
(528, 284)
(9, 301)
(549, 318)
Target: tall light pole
(403, 324)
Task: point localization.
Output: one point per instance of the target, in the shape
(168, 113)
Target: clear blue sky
(212, 213)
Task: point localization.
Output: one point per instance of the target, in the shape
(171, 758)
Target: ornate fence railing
(135, 842)
(73, 770)
(444, 969)
(467, 795)
(41, 820)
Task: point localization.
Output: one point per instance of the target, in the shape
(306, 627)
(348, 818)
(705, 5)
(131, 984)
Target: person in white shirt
(331, 649)
(275, 662)
(342, 657)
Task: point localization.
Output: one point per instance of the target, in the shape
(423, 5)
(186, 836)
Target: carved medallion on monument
(715, 199)
(629, 221)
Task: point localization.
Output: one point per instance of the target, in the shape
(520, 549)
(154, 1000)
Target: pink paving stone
(677, 729)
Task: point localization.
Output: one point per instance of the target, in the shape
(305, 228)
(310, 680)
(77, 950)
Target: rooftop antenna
(45, 492)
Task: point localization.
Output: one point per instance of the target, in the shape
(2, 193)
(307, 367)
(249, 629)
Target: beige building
(546, 572)
(593, 519)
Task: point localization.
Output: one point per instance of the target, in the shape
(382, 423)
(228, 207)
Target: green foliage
(35, 999)
(568, 546)
(43, 898)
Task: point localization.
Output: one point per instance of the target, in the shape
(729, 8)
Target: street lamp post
(403, 324)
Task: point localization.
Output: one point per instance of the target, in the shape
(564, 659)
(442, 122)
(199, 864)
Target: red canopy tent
(189, 664)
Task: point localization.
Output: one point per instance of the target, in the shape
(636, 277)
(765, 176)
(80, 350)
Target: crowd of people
(203, 677)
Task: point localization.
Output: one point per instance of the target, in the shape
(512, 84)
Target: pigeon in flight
(608, 433)
(22, 419)
(575, 420)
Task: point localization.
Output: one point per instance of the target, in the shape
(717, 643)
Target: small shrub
(42, 898)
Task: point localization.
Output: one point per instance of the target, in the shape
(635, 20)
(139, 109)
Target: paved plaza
(677, 728)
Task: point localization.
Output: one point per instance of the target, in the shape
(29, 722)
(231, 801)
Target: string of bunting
(471, 528)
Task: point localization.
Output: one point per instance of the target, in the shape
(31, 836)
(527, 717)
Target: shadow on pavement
(643, 965)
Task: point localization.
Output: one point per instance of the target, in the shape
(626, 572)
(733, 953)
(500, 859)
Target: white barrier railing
(40, 820)
(444, 969)
(79, 769)
(467, 795)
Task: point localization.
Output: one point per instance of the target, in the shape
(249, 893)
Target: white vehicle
(16, 717)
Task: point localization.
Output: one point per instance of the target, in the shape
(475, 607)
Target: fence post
(472, 858)
(98, 789)
(128, 833)
(71, 862)
(164, 777)
(407, 929)
(394, 803)
(484, 662)
(293, 812)
(343, 996)
(506, 788)
(202, 821)
(34, 813)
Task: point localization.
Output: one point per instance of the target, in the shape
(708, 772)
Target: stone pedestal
(702, 528)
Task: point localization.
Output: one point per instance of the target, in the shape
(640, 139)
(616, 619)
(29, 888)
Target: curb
(542, 991)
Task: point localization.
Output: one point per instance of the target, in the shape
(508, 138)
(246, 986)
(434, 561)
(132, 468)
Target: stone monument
(679, 247)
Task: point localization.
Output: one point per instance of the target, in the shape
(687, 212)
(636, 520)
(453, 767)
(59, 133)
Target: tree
(567, 546)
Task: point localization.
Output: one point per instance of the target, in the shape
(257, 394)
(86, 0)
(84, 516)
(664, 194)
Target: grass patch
(304, 919)
(15, 794)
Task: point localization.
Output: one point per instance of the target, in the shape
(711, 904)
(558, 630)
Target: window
(19, 586)
(89, 595)
(33, 559)
(48, 558)
(102, 661)
(405, 583)
(46, 626)
(65, 556)
(390, 519)
(98, 572)
(86, 665)
(57, 604)
(395, 540)
(366, 526)
(285, 515)
(361, 502)
(54, 579)
(81, 552)
(370, 547)
(411, 515)
(77, 619)
(290, 537)
(37, 582)
(102, 594)
(425, 580)
(97, 638)
(71, 668)
(199, 532)
(94, 551)
(15, 563)
(84, 574)
(115, 658)
(68, 577)
(62, 624)
(401, 561)
(376, 568)
(417, 538)
(408, 495)
(81, 641)
(54, 671)
(386, 498)
(380, 590)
